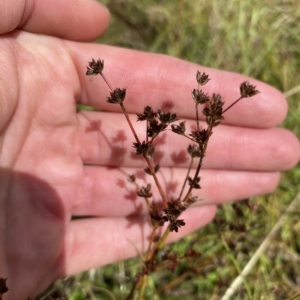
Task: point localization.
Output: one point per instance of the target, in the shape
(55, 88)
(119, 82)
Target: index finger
(165, 82)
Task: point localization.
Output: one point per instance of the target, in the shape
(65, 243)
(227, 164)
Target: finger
(80, 20)
(99, 241)
(105, 139)
(164, 82)
(106, 192)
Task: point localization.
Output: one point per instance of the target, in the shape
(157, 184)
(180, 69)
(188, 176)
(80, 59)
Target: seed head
(248, 90)
(214, 110)
(200, 97)
(202, 78)
(95, 67)
(179, 129)
(117, 96)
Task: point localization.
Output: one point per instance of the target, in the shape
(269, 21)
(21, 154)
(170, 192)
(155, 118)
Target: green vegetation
(256, 38)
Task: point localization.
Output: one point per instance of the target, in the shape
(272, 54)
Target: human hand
(57, 163)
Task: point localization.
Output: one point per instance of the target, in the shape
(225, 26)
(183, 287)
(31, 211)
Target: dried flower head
(117, 96)
(155, 128)
(200, 136)
(194, 183)
(172, 260)
(248, 90)
(192, 253)
(190, 200)
(95, 67)
(148, 114)
(202, 78)
(194, 151)
(145, 191)
(172, 212)
(214, 110)
(131, 178)
(155, 169)
(176, 224)
(141, 148)
(179, 129)
(200, 97)
(166, 117)
(157, 219)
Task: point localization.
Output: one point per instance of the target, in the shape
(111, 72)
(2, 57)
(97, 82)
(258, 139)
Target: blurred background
(257, 38)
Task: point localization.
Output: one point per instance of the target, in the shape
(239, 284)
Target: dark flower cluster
(248, 90)
(172, 260)
(147, 115)
(148, 267)
(194, 182)
(155, 169)
(117, 96)
(194, 151)
(192, 253)
(166, 117)
(157, 122)
(200, 136)
(200, 97)
(214, 110)
(131, 178)
(190, 200)
(155, 127)
(179, 129)
(95, 67)
(202, 78)
(143, 148)
(172, 212)
(157, 218)
(145, 191)
(176, 224)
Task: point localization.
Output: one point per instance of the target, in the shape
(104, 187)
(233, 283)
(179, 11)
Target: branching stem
(106, 81)
(209, 129)
(159, 187)
(197, 115)
(172, 209)
(235, 102)
(186, 177)
(129, 122)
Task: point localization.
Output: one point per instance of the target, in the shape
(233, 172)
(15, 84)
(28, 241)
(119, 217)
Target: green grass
(259, 39)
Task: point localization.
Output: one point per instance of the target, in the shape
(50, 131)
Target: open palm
(57, 162)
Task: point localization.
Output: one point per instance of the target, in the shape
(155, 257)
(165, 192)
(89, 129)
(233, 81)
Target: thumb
(80, 20)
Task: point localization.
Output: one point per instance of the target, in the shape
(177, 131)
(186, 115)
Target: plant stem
(209, 129)
(144, 284)
(235, 102)
(106, 81)
(151, 239)
(197, 116)
(123, 109)
(129, 122)
(150, 257)
(160, 189)
(186, 177)
(134, 287)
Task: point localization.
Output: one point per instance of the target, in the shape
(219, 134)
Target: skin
(56, 162)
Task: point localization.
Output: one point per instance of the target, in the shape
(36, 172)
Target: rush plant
(165, 215)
